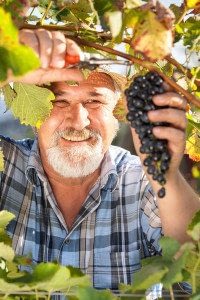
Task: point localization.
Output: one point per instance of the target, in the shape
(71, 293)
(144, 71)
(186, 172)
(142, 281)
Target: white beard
(77, 161)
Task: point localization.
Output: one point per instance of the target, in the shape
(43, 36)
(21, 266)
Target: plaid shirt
(117, 226)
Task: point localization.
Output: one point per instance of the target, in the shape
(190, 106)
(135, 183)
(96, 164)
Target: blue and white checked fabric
(117, 226)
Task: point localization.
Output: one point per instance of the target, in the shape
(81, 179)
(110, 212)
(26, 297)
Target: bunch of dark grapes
(139, 102)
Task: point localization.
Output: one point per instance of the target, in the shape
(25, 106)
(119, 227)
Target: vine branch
(105, 36)
(146, 64)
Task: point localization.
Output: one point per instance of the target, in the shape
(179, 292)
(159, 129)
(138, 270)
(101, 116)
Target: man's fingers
(175, 137)
(42, 76)
(45, 46)
(170, 99)
(29, 38)
(172, 116)
(59, 50)
(73, 49)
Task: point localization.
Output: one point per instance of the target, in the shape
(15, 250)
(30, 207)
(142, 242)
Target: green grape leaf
(190, 31)
(103, 6)
(174, 273)
(169, 248)
(91, 294)
(9, 288)
(51, 277)
(114, 19)
(143, 279)
(13, 56)
(5, 218)
(131, 17)
(1, 160)
(32, 104)
(192, 3)
(6, 252)
(9, 95)
(152, 38)
(176, 10)
(194, 227)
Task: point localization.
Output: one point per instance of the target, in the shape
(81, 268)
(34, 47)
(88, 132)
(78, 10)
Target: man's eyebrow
(61, 93)
(94, 94)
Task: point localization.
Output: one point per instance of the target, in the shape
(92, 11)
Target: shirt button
(68, 241)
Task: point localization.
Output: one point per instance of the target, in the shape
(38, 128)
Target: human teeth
(75, 138)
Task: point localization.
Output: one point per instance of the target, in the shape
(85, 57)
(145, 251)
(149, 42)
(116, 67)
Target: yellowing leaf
(1, 161)
(13, 56)
(8, 36)
(120, 110)
(192, 3)
(193, 146)
(32, 104)
(152, 38)
(9, 95)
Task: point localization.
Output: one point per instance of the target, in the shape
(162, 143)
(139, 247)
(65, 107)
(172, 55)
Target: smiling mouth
(76, 138)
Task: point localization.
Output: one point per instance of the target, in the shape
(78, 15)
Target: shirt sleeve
(150, 222)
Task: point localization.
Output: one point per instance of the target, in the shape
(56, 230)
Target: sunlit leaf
(50, 277)
(115, 22)
(192, 3)
(32, 104)
(190, 31)
(143, 279)
(13, 56)
(193, 145)
(6, 252)
(10, 288)
(130, 4)
(9, 95)
(152, 38)
(5, 218)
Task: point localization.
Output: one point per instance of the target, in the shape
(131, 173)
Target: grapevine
(92, 24)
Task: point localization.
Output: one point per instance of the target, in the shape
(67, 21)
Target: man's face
(80, 128)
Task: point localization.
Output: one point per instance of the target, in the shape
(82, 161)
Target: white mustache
(75, 135)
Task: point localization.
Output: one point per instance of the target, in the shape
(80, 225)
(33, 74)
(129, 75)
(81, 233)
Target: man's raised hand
(52, 48)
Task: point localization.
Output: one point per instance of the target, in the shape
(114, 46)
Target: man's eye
(60, 103)
(93, 103)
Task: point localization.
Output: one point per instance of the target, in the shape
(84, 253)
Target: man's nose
(77, 117)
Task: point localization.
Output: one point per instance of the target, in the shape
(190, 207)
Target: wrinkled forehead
(97, 81)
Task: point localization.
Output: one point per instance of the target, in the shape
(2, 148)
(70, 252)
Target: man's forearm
(178, 207)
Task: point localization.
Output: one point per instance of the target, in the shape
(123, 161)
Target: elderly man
(77, 199)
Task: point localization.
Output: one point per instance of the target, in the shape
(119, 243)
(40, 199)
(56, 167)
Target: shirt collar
(34, 170)
(108, 176)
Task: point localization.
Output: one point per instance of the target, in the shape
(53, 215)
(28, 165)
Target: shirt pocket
(112, 268)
